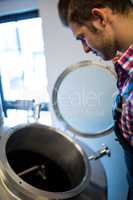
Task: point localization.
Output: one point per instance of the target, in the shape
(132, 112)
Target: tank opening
(39, 171)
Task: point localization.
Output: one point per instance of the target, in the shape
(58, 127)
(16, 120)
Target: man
(105, 27)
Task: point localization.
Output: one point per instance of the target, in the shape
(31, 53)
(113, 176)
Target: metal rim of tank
(55, 104)
(14, 184)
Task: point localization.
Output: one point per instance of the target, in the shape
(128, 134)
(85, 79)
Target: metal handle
(102, 152)
(37, 110)
(39, 169)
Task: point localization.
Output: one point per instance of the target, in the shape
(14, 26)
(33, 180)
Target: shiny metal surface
(97, 187)
(51, 143)
(55, 97)
(100, 153)
(14, 188)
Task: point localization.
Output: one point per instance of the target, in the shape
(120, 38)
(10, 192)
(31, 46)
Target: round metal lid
(82, 98)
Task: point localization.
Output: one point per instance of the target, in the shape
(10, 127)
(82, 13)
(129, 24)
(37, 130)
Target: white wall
(16, 6)
(61, 48)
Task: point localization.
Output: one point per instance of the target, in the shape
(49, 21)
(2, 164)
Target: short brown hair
(79, 11)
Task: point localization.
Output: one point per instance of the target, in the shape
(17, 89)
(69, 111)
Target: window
(22, 62)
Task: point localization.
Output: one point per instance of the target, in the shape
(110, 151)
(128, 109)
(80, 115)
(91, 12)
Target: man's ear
(99, 18)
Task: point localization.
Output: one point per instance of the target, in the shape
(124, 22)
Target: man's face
(101, 42)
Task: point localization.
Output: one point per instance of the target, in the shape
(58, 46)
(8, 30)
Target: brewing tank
(40, 163)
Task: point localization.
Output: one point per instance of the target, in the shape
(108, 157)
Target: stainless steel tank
(40, 163)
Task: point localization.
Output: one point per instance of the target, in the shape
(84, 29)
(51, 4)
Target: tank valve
(102, 152)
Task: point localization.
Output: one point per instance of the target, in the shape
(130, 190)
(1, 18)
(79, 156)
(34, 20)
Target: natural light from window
(22, 60)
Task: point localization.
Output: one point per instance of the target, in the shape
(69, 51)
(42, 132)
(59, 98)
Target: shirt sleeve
(126, 60)
(127, 119)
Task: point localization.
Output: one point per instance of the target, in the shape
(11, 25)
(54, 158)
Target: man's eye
(83, 40)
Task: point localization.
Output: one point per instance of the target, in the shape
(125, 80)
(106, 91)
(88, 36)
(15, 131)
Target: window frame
(19, 105)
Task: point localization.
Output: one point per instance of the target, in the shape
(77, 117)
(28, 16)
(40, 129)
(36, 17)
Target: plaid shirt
(124, 70)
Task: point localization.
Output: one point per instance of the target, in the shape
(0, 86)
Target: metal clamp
(102, 152)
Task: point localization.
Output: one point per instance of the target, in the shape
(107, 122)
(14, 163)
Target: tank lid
(82, 98)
